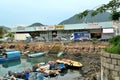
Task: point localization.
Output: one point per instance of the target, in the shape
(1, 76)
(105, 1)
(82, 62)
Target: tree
(2, 32)
(83, 14)
(112, 6)
(11, 35)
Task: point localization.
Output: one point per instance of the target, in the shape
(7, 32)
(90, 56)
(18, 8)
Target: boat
(36, 54)
(60, 54)
(51, 73)
(52, 65)
(69, 62)
(27, 75)
(61, 67)
(56, 66)
(10, 56)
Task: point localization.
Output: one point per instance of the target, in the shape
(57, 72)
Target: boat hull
(36, 54)
(70, 63)
(10, 56)
(8, 59)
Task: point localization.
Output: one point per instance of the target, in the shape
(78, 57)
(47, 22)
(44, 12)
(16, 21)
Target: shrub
(115, 45)
(113, 49)
(115, 40)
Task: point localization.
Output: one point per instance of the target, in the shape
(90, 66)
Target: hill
(35, 24)
(6, 28)
(101, 17)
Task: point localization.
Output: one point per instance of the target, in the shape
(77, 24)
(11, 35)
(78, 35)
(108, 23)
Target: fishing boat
(36, 54)
(70, 63)
(52, 65)
(10, 56)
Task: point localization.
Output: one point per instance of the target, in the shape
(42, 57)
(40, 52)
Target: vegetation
(5, 28)
(112, 6)
(115, 45)
(2, 32)
(11, 36)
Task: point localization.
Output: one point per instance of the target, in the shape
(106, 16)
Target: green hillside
(101, 17)
(35, 24)
(6, 28)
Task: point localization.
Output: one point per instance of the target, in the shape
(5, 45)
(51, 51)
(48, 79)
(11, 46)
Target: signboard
(59, 26)
(45, 28)
(110, 30)
(41, 28)
(51, 27)
(93, 25)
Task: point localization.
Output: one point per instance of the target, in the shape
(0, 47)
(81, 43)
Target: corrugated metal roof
(106, 24)
(74, 26)
(89, 25)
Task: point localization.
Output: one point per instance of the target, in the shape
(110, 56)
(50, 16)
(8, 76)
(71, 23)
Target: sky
(47, 12)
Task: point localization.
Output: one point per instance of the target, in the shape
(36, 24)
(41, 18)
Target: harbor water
(25, 63)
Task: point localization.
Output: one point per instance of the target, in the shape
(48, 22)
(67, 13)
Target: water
(22, 64)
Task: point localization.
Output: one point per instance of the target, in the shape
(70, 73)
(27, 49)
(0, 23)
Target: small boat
(60, 54)
(36, 54)
(51, 73)
(56, 66)
(10, 56)
(51, 65)
(71, 63)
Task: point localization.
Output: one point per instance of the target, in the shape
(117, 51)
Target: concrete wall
(110, 66)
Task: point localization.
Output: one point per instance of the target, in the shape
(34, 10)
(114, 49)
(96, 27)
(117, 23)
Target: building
(101, 30)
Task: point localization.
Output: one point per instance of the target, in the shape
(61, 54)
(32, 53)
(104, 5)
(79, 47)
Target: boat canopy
(13, 54)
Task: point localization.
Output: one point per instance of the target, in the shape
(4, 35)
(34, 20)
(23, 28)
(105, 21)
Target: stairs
(55, 49)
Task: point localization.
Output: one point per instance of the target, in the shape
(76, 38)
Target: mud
(88, 53)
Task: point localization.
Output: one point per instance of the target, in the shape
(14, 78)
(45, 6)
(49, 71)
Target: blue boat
(36, 54)
(10, 56)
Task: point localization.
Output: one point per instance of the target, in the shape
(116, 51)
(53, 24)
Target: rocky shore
(68, 47)
(88, 53)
